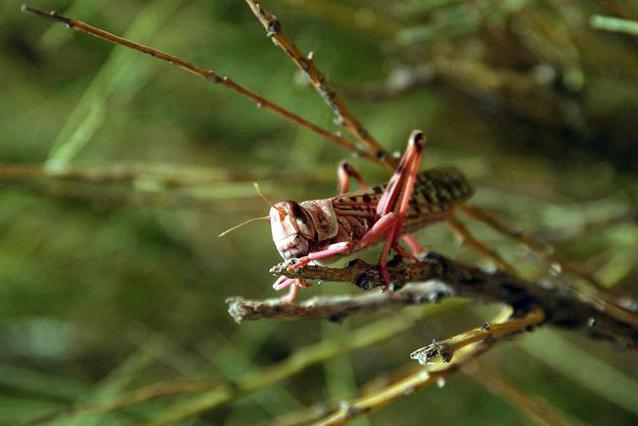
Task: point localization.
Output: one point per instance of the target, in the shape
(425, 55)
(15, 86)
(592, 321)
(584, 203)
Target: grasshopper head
(292, 229)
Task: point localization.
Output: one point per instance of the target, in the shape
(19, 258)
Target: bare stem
(206, 74)
(336, 308)
(446, 349)
(563, 307)
(407, 384)
(212, 393)
(299, 361)
(306, 64)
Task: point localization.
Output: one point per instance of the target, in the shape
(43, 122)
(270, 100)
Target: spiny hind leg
(537, 247)
(397, 194)
(347, 171)
(466, 237)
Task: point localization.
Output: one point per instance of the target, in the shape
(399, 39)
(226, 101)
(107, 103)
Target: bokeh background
(112, 279)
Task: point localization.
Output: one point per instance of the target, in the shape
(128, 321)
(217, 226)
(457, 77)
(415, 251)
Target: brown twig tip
(52, 14)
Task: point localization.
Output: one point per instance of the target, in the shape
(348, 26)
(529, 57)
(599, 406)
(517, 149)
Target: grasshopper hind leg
(346, 172)
(397, 194)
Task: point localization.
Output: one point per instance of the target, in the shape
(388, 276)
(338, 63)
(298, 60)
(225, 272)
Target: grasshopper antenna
(254, 219)
(262, 195)
(246, 222)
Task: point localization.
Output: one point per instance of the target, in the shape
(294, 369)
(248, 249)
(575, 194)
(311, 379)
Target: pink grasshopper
(325, 230)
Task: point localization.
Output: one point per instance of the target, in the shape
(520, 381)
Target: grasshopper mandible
(325, 230)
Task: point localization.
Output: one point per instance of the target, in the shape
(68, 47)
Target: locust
(328, 229)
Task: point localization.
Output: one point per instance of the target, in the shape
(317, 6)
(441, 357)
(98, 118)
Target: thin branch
(537, 247)
(336, 308)
(563, 307)
(219, 392)
(299, 361)
(408, 384)
(446, 349)
(595, 296)
(208, 75)
(306, 64)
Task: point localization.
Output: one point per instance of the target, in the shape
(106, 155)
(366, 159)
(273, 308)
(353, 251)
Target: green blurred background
(114, 279)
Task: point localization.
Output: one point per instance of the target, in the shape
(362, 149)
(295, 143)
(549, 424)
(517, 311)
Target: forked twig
(306, 64)
(206, 74)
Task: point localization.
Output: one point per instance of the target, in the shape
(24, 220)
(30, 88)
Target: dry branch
(206, 74)
(336, 308)
(306, 64)
(562, 306)
(446, 349)
(415, 379)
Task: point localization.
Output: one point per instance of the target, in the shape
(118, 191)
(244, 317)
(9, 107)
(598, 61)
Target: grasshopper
(327, 229)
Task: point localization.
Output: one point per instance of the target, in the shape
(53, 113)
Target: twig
(218, 392)
(407, 385)
(563, 307)
(596, 296)
(208, 75)
(446, 349)
(299, 361)
(336, 308)
(539, 248)
(306, 64)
